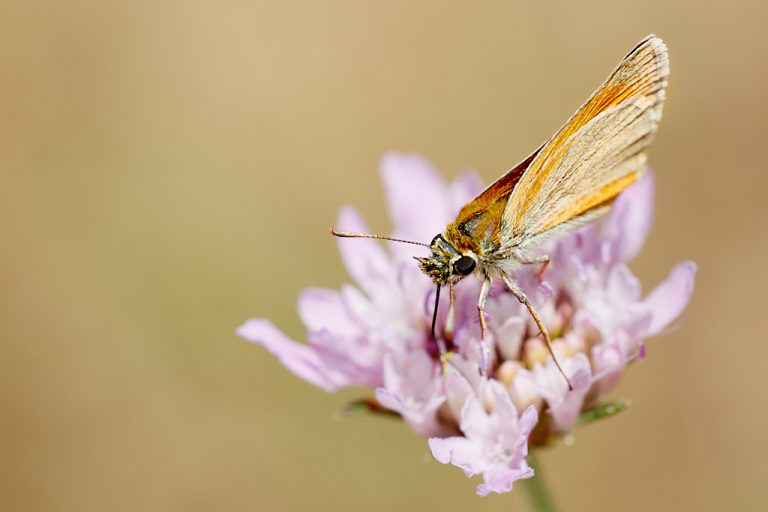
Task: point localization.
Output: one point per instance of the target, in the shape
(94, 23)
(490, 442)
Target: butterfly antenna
(352, 234)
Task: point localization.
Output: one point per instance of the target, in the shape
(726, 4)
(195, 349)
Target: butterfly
(570, 180)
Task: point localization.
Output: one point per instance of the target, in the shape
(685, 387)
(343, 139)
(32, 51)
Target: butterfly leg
(481, 306)
(449, 321)
(517, 292)
(484, 350)
(544, 260)
(445, 354)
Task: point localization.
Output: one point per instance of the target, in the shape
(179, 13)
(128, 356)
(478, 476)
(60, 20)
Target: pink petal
(669, 299)
(566, 414)
(365, 259)
(459, 383)
(302, 360)
(353, 361)
(421, 417)
(564, 404)
(416, 196)
(474, 418)
(509, 337)
(527, 423)
(356, 302)
(412, 387)
(410, 373)
(623, 285)
(389, 400)
(630, 219)
(458, 451)
(503, 407)
(462, 190)
(607, 358)
(322, 309)
(501, 478)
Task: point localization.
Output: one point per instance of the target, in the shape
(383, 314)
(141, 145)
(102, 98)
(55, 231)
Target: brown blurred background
(170, 168)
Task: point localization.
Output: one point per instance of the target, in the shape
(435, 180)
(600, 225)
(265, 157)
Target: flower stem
(536, 488)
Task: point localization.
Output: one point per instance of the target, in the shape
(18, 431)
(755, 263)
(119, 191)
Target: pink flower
(494, 444)
(377, 333)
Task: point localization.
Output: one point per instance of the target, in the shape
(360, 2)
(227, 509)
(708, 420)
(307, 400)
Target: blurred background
(171, 168)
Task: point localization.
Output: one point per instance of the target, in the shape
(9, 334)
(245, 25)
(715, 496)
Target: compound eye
(464, 265)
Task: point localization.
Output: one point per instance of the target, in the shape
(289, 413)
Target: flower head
(499, 395)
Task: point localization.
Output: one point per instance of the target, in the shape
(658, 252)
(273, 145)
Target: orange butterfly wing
(497, 191)
(478, 224)
(597, 153)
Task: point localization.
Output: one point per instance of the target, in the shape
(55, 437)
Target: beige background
(170, 168)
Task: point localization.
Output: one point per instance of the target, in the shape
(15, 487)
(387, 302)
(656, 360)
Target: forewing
(498, 190)
(597, 153)
(478, 225)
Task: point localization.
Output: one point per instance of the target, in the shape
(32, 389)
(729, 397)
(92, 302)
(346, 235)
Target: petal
(607, 358)
(503, 408)
(390, 400)
(623, 285)
(412, 387)
(410, 374)
(669, 299)
(463, 189)
(630, 219)
(528, 421)
(458, 451)
(302, 360)
(500, 479)
(457, 388)
(475, 422)
(523, 389)
(365, 259)
(526, 424)
(566, 414)
(509, 337)
(354, 360)
(416, 196)
(356, 302)
(322, 309)
(564, 404)
(421, 417)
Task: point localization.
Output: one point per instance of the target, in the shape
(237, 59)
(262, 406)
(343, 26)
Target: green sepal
(601, 411)
(368, 405)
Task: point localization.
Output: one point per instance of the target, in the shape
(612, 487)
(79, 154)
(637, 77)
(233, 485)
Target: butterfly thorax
(470, 242)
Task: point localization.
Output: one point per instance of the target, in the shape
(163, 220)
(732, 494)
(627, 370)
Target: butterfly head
(447, 264)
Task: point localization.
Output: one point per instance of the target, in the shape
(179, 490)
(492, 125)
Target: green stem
(536, 488)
